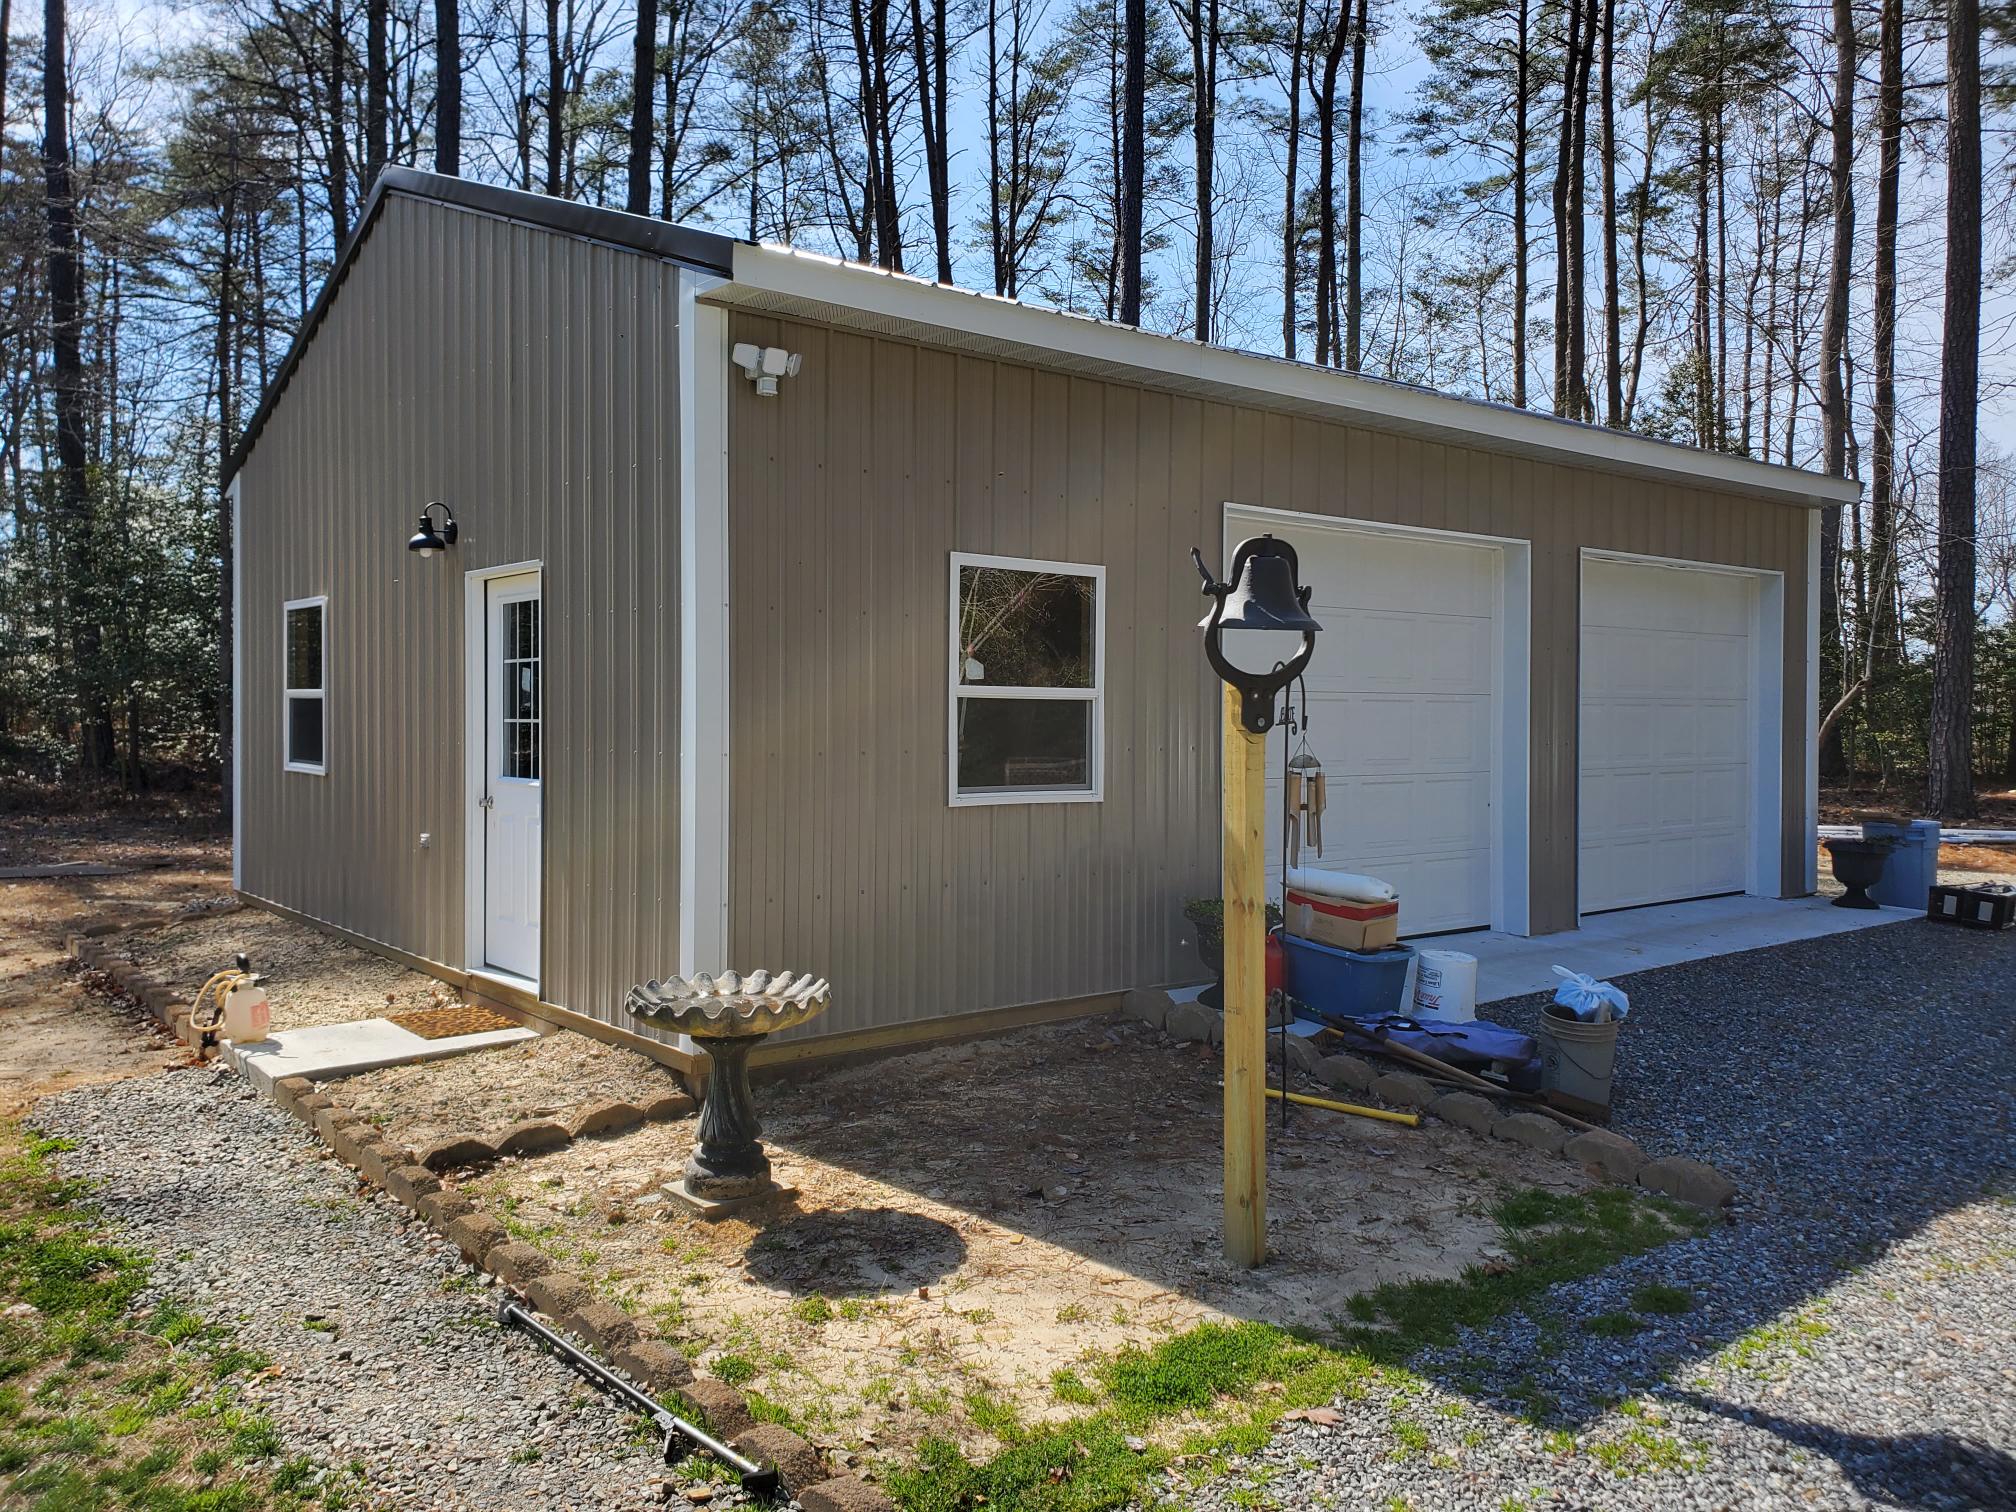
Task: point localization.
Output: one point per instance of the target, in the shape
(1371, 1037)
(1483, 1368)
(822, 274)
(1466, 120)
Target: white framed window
(1028, 680)
(304, 713)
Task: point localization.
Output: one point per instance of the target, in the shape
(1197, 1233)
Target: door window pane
(520, 712)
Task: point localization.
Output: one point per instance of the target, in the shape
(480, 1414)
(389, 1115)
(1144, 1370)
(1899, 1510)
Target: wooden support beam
(1245, 990)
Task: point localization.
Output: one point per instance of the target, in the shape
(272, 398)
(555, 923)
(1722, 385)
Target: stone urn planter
(728, 1016)
(1858, 866)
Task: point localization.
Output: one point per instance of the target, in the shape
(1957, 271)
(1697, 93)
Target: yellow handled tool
(1412, 1120)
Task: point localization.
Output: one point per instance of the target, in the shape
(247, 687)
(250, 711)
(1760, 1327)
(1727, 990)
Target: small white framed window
(1028, 681)
(304, 718)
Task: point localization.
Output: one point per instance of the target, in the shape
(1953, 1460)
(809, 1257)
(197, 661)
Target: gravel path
(1853, 1338)
(405, 1374)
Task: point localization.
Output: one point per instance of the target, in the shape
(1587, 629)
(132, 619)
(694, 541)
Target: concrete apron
(1641, 939)
(332, 1050)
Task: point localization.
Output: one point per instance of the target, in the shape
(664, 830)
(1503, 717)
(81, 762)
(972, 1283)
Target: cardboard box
(1346, 926)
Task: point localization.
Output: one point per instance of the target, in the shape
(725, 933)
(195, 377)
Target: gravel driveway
(1853, 1338)
(389, 1361)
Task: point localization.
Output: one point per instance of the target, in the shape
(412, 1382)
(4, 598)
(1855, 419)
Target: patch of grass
(734, 1368)
(814, 1309)
(1759, 1351)
(1069, 1387)
(1667, 1301)
(1640, 1451)
(1613, 1325)
(104, 1407)
(1238, 1378)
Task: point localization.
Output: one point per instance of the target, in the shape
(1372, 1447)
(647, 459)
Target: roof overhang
(806, 286)
(801, 285)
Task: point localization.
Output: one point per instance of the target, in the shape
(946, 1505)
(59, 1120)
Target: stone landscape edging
(91, 948)
(1600, 1152)
(570, 1302)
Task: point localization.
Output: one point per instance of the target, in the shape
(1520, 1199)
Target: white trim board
(706, 715)
(1512, 692)
(475, 738)
(235, 494)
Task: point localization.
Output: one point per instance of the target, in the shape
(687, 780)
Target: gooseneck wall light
(1262, 594)
(429, 539)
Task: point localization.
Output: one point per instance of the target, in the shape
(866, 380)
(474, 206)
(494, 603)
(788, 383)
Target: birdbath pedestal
(728, 1016)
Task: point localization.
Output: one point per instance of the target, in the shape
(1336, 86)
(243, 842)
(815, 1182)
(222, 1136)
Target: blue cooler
(1349, 983)
(1911, 870)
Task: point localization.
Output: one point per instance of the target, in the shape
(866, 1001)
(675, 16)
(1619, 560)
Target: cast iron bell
(1262, 594)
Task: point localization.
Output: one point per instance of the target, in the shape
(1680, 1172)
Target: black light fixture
(1263, 593)
(427, 540)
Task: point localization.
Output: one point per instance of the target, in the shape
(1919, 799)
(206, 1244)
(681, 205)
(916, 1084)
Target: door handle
(486, 801)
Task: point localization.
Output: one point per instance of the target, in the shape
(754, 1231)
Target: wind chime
(1303, 795)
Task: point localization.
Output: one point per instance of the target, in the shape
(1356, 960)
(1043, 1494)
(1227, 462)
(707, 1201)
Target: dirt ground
(54, 1033)
(1903, 800)
(310, 978)
(972, 1220)
(538, 1078)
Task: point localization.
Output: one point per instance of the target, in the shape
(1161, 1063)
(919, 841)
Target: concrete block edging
(628, 1343)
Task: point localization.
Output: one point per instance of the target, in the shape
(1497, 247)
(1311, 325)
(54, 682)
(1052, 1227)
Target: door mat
(446, 1023)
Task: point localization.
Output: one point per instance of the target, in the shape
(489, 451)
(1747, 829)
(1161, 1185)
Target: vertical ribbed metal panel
(530, 380)
(848, 491)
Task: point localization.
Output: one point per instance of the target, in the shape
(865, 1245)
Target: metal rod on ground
(757, 1479)
(1448, 1072)
(1410, 1119)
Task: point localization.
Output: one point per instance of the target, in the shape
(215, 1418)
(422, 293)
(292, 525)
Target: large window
(304, 728)
(1028, 672)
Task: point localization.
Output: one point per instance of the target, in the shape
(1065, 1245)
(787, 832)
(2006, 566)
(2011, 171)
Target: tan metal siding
(530, 380)
(848, 491)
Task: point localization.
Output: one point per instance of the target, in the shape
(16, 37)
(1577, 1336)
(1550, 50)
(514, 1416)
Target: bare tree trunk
(929, 46)
(1354, 196)
(1328, 346)
(1950, 783)
(73, 494)
(1133, 161)
(447, 86)
(227, 431)
(1564, 251)
(6, 51)
(339, 143)
(643, 96)
(1705, 401)
(1291, 211)
(556, 103)
(1883, 415)
(1199, 20)
(1522, 235)
(377, 85)
(1613, 344)
(1833, 355)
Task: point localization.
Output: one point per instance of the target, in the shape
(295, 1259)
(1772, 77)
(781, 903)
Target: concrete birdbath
(728, 1016)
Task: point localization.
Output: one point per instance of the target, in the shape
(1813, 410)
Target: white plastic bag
(1589, 1000)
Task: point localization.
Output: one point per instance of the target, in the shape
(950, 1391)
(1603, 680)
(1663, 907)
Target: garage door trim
(1766, 631)
(1511, 794)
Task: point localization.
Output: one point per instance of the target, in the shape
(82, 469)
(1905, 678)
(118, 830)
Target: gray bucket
(1577, 1059)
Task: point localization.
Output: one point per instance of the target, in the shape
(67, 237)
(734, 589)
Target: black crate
(1975, 907)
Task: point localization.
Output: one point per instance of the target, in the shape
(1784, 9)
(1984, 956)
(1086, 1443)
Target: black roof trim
(707, 251)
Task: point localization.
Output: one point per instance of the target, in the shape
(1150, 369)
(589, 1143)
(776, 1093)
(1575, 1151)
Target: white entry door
(1402, 713)
(1666, 715)
(514, 755)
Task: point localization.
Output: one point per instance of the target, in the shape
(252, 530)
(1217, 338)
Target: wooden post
(1245, 990)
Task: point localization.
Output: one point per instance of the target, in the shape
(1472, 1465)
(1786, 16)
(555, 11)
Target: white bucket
(1445, 986)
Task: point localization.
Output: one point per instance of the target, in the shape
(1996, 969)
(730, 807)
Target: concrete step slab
(332, 1050)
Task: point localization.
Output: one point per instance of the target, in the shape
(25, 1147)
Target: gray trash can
(1912, 868)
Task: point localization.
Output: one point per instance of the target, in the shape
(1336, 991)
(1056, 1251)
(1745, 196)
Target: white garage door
(1402, 717)
(1665, 733)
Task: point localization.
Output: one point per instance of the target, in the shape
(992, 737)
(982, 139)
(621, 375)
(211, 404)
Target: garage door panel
(1401, 695)
(1666, 718)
